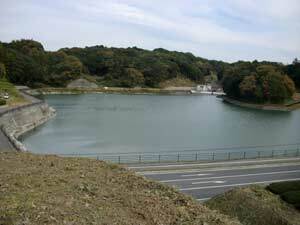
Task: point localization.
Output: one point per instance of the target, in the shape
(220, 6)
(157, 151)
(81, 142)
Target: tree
(263, 83)
(248, 87)
(231, 81)
(63, 68)
(293, 71)
(26, 62)
(276, 86)
(132, 78)
(2, 71)
(289, 85)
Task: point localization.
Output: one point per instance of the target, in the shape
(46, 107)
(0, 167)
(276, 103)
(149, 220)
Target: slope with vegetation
(255, 205)
(38, 189)
(26, 62)
(14, 97)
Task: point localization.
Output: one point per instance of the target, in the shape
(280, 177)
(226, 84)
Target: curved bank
(18, 120)
(273, 107)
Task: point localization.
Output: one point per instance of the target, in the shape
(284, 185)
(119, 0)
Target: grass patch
(255, 205)
(2, 102)
(39, 189)
(14, 96)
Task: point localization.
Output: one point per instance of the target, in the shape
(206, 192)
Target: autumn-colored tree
(262, 83)
(276, 86)
(248, 87)
(289, 85)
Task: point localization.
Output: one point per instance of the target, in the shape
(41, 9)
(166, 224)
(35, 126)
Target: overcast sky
(226, 30)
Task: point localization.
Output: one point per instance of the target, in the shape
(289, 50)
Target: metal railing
(217, 154)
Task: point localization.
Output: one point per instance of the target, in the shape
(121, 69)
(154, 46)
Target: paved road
(29, 98)
(206, 183)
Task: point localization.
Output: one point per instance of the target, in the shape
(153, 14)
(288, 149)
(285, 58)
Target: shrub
(282, 187)
(292, 197)
(2, 102)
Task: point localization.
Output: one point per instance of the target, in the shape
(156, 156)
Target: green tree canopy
(2, 71)
(28, 63)
(265, 83)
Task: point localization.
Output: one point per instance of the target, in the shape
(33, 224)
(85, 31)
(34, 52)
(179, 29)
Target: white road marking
(219, 182)
(234, 185)
(242, 167)
(211, 163)
(199, 174)
(211, 181)
(202, 199)
(232, 176)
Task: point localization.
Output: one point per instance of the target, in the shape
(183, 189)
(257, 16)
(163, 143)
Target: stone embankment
(21, 119)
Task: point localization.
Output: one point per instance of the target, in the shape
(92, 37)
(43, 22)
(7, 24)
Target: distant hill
(26, 62)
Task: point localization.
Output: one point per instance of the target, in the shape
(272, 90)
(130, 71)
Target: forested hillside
(26, 62)
(259, 82)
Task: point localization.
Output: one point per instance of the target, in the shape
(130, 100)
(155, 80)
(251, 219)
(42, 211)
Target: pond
(116, 123)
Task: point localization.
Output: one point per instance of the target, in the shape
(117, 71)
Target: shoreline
(267, 107)
(18, 120)
(161, 91)
(109, 90)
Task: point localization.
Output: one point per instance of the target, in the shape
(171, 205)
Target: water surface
(113, 123)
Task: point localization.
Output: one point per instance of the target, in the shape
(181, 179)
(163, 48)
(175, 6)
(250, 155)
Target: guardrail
(219, 154)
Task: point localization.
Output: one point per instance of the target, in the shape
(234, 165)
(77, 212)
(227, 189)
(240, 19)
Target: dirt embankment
(54, 190)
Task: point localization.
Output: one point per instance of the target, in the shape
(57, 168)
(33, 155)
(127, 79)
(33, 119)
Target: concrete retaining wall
(19, 120)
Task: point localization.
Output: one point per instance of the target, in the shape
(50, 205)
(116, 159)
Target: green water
(112, 123)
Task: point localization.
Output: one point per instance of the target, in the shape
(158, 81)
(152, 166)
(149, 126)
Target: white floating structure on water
(207, 89)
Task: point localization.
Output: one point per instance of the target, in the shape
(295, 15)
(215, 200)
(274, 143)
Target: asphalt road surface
(203, 184)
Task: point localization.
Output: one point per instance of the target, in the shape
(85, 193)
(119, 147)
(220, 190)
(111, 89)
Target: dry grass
(38, 189)
(255, 206)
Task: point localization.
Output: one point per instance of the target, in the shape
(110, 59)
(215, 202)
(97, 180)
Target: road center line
(202, 199)
(194, 175)
(242, 167)
(211, 181)
(234, 185)
(231, 176)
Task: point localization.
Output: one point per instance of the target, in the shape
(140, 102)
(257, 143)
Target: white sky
(228, 30)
